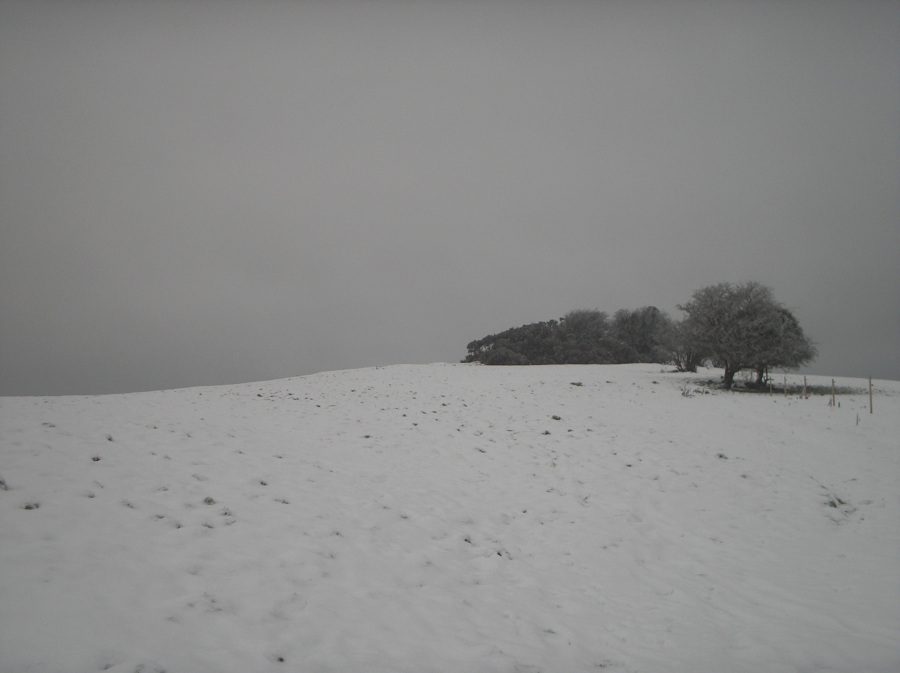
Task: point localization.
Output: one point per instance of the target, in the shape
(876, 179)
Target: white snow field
(452, 518)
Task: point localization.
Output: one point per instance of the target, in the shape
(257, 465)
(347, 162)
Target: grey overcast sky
(198, 192)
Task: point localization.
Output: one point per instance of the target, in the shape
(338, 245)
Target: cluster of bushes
(731, 326)
(579, 337)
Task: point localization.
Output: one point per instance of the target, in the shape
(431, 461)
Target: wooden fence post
(870, 396)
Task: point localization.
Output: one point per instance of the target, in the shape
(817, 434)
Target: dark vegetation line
(732, 326)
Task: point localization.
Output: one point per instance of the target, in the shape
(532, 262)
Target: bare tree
(743, 327)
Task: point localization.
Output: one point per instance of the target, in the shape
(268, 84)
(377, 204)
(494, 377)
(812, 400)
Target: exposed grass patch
(793, 389)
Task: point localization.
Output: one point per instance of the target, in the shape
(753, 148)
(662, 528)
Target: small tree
(742, 326)
(583, 334)
(645, 331)
(682, 349)
(786, 345)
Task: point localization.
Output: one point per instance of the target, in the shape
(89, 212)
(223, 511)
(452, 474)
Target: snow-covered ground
(452, 518)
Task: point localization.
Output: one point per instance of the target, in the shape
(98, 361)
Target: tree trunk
(730, 371)
(760, 375)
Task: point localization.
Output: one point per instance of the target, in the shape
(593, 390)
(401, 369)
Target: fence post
(871, 411)
(832, 393)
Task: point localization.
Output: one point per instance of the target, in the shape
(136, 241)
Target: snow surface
(452, 518)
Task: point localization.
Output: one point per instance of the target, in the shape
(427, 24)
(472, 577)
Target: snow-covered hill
(451, 518)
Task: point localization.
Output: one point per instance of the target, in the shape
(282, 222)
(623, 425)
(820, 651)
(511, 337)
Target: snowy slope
(451, 518)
